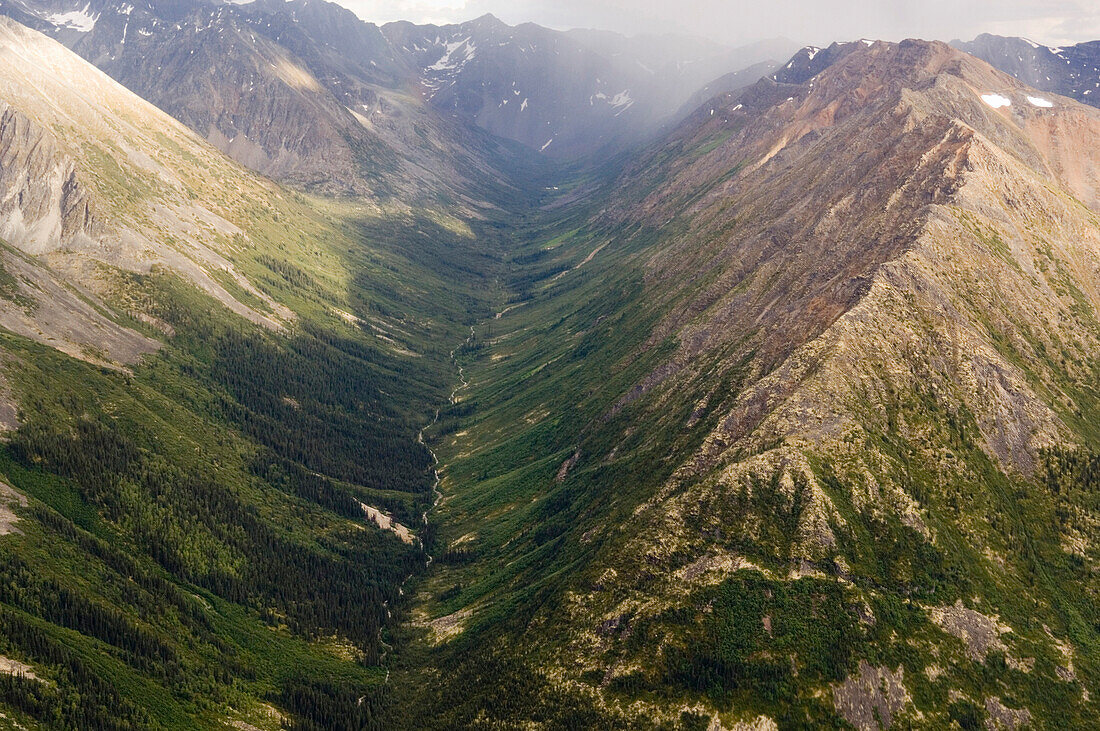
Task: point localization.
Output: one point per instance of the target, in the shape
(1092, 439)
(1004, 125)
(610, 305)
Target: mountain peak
(883, 57)
(487, 21)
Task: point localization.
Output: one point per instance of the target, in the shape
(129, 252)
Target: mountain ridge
(814, 337)
(321, 100)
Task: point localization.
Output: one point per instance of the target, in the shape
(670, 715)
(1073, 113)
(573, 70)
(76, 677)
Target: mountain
(785, 417)
(211, 483)
(793, 427)
(1072, 71)
(529, 84)
(728, 85)
(810, 61)
(307, 93)
(302, 92)
(680, 65)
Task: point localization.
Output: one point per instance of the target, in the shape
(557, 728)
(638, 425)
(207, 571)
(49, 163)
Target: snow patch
(79, 20)
(1038, 101)
(445, 63)
(996, 100)
(622, 99)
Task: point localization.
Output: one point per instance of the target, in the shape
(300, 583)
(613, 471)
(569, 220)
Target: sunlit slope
(98, 176)
(799, 424)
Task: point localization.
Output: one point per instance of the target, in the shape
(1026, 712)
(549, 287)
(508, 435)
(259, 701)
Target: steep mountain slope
(796, 427)
(793, 424)
(211, 481)
(528, 83)
(678, 66)
(124, 208)
(302, 92)
(1072, 71)
(811, 61)
(731, 85)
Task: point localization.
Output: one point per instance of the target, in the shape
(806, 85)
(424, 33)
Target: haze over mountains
(307, 93)
(481, 376)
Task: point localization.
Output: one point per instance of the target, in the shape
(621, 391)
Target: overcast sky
(805, 21)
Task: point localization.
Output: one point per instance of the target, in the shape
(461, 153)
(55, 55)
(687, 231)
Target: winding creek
(437, 495)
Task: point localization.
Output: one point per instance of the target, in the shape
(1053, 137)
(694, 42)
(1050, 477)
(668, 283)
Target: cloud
(1053, 29)
(809, 21)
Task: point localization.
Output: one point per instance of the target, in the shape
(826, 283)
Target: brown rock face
(820, 193)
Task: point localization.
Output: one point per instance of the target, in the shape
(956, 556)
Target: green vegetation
(576, 418)
(623, 540)
(194, 551)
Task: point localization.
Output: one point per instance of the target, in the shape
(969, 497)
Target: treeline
(335, 585)
(324, 415)
(757, 637)
(1066, 471)
(497, 689)
(1073, 478)
(289, 273)
(292, 478)
(325, 705)
(66, 607)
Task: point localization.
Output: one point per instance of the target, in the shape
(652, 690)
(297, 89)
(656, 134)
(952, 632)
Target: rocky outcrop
(42, 203)
(10, 500)
(45, 208)
(870, 701)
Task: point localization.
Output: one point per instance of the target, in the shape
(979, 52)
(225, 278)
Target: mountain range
(1071, 71)
(307, 93)
(481, 376)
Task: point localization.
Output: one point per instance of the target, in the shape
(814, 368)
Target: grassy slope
(194, 551)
